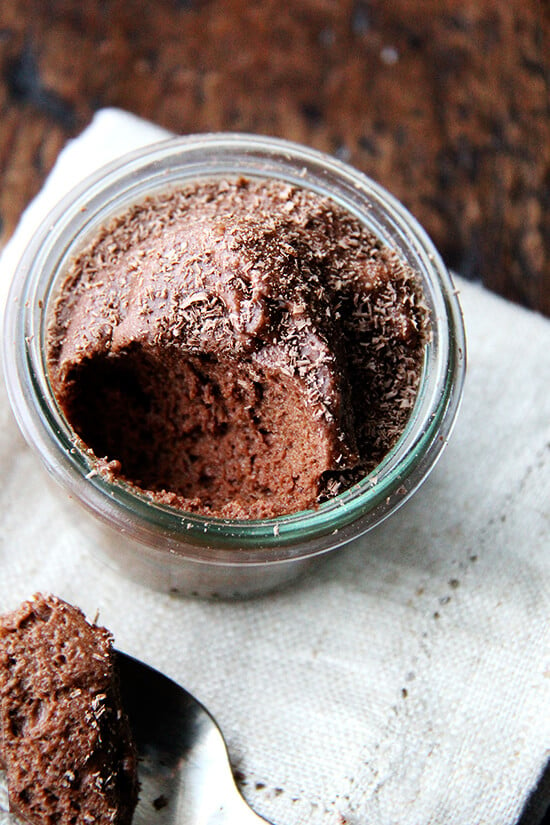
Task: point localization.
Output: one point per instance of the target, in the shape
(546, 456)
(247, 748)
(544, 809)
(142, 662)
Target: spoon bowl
(184, 768)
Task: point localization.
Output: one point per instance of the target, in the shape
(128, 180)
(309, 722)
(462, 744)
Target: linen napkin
(407, 679)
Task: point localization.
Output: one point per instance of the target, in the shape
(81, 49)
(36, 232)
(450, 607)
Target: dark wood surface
(445, 102)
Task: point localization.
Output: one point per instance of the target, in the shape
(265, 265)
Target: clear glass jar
(162, 546)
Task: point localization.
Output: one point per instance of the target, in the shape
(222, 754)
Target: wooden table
(445, 102)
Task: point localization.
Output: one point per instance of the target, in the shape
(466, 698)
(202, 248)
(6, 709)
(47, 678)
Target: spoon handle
(237, 812)
(217, 803)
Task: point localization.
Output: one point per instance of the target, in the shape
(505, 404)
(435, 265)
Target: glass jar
(162, 546)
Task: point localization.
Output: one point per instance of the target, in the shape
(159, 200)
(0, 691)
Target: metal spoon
(184, 771)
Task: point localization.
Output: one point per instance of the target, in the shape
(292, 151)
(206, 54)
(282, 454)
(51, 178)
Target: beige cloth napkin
(407, 680)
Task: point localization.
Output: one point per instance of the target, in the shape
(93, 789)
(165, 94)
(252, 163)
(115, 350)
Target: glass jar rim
(156, 167)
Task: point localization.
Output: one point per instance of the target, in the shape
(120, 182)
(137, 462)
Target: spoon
(184, 772)
(184, 769)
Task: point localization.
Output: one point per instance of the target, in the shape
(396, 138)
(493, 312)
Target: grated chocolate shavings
(240, 348)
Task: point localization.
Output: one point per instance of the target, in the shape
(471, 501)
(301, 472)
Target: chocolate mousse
(238, 348)
(65, 741)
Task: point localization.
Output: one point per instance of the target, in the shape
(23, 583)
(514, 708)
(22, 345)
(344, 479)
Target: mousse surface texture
(238, 348)
(64, 739)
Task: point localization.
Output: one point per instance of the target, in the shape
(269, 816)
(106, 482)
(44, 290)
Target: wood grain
(446, 103)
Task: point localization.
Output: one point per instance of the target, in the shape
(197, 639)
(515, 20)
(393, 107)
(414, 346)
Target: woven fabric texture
(407, 679)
